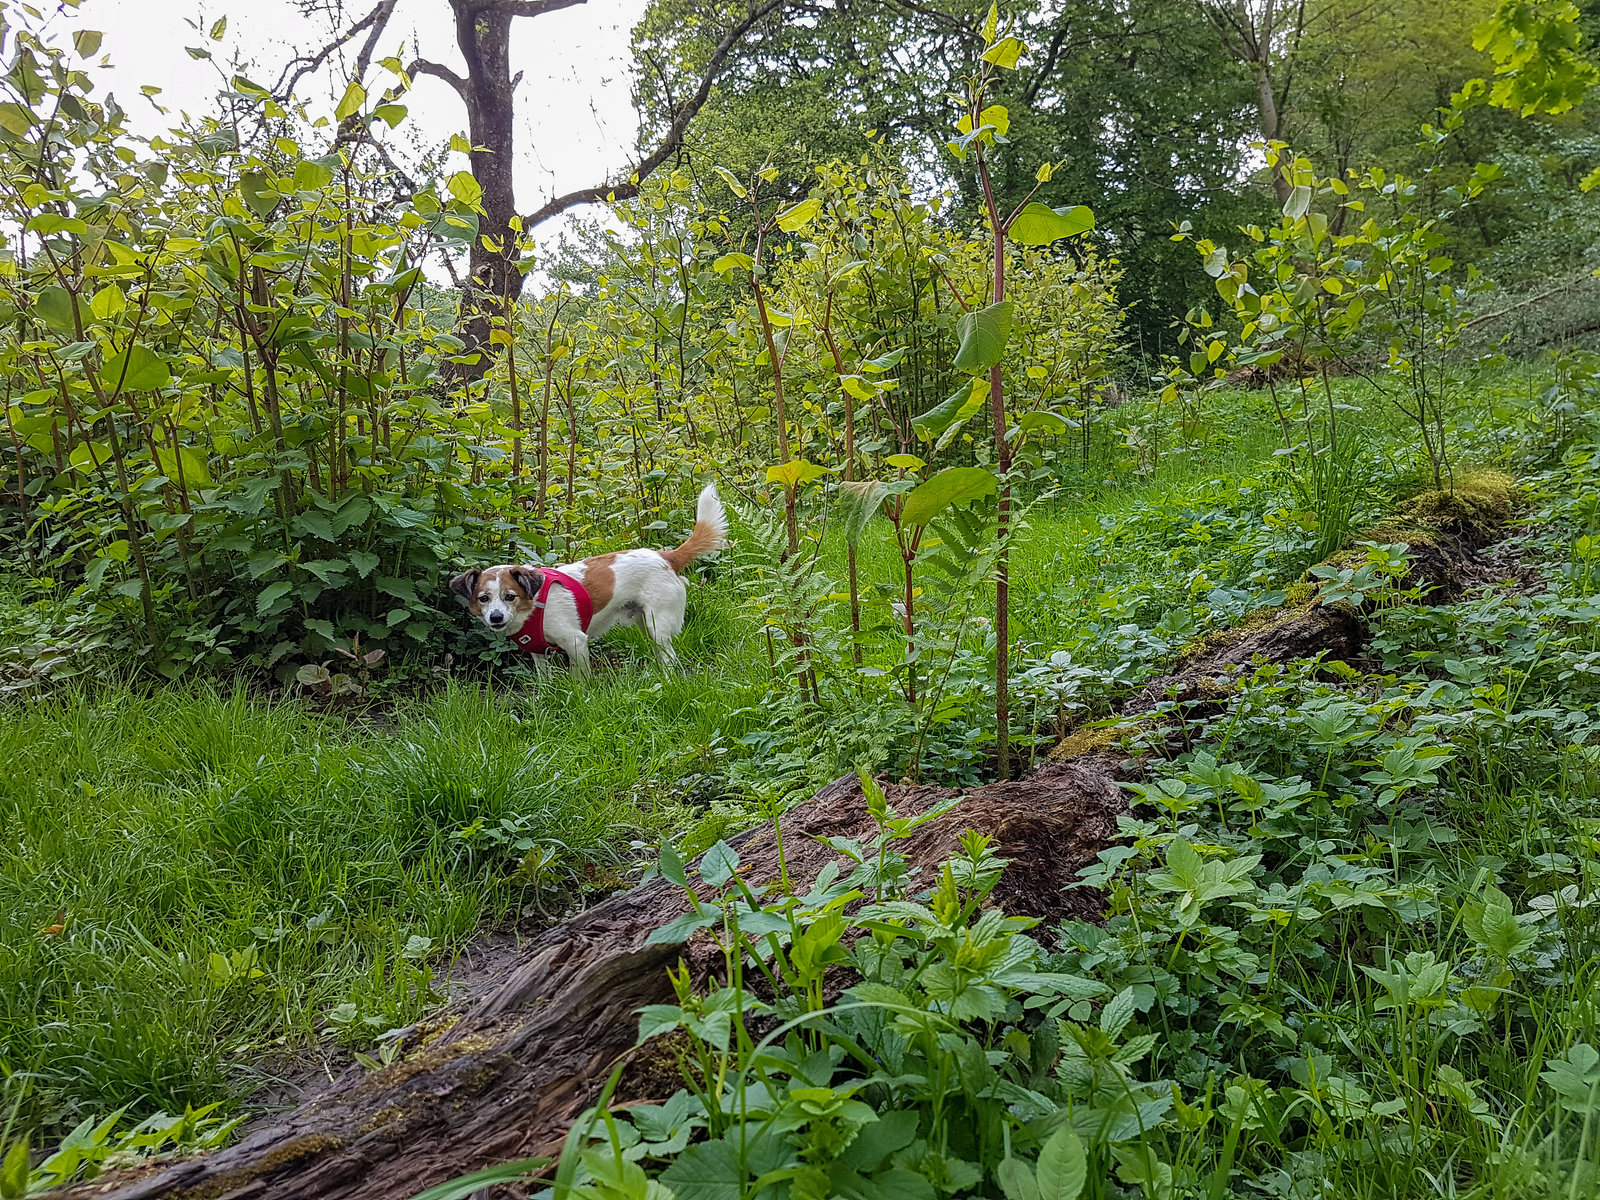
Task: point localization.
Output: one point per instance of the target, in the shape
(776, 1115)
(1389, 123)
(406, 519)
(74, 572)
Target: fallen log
(514, 1064)
(1333, 630)
(1445, 533)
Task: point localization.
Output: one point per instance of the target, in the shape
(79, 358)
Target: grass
(148, 833)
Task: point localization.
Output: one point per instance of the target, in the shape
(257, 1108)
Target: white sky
(575, 117)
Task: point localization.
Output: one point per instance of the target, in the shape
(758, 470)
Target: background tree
(1143, 118)
(487, 89)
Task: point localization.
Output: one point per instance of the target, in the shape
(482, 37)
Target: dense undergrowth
(1349, 952)
(205, 887)
(201, 882)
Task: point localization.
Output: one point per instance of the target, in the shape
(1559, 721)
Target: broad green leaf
(1119, 1010)
(991, 23)
(1039, 225)
(1016, 1180)
(734, 261)
(258, 193)
(312, 174)
(671, 865)
(681, 929)
(54, 306)
(906, 462)
(952, 486)
(795, 472)
(108, 302)
(998, 116)
(465, 188)
(892, 1131)
(885, 362)
(136, 369)
(15, 119)
(1062, 1169)
(1004, 53)
(1496, 928)
(656, 1019)
(390, 114)
(1575, 1077)
(270, 595)
(47, 223)
(14, 1171)
(858, 500)
(954, 412)
(87, 42)
(732, 180)
(706, 1171)
(86, 456)
(859, 387)
(718, 864)
(192, 462)
(1298, 203)
(1043, 422)
(219, 29)
(982, 335)
(350, 103)
(801, 215)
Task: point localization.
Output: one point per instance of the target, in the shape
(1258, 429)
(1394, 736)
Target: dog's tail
(710, 531)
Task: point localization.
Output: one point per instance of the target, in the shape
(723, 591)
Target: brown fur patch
(600, 579)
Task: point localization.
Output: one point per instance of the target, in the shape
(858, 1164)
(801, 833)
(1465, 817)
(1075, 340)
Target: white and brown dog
(537, 607)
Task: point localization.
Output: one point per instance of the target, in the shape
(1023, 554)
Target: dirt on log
(516, 1062)
(1335, 630)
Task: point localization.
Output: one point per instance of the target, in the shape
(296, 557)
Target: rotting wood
(529, 1051)
(1447, 533)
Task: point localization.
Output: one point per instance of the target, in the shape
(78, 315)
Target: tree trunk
(1271, 123)
(503, 1075)
(495, 278)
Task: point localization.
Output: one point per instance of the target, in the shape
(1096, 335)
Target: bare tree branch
(423, 66)
(670, 143)
(298, 68)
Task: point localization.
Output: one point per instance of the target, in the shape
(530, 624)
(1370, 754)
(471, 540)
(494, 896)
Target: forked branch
(682, 115)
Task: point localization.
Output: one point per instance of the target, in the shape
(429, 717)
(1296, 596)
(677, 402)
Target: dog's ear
(465, 584)
(528, 580)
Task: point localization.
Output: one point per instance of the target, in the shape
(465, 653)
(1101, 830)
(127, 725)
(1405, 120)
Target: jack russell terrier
(569, 606)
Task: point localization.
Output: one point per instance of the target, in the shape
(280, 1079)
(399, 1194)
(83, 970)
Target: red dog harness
(530, 638)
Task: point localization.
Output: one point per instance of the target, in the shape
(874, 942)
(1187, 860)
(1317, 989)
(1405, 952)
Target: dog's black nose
(497, 618)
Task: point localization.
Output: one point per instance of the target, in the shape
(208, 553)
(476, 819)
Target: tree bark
(503, 1075)
(494, 276)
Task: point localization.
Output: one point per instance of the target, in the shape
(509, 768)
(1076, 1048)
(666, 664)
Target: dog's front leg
(577, 647)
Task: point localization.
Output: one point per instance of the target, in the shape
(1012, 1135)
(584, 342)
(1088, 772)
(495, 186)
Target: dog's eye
(509, 596)
(483, 599)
